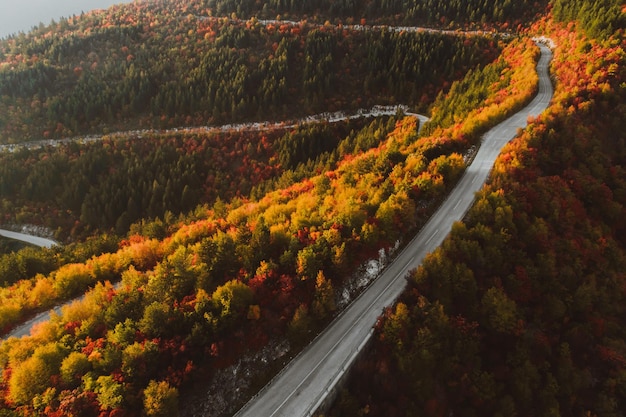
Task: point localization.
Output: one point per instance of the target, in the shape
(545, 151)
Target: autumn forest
(166, 146)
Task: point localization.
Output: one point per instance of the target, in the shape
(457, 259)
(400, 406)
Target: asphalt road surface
(42, 242)
(302, 386)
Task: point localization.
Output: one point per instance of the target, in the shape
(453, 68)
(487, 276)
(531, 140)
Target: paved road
(25, 328)
(42, 242)
(301, 386)
(330, 117)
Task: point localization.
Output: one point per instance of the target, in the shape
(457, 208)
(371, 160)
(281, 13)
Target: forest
(400, 12)
(127, 69)
(520, 311)
(197, 248)
(110, 184)
(195, 293)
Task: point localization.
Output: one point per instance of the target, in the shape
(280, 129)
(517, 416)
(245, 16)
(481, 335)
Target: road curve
(42, 242)
(302, 386)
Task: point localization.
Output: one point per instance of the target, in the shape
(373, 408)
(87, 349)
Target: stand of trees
(599, 19)
(111, 184)
(26, 262)
(10, 245)
(408, 12)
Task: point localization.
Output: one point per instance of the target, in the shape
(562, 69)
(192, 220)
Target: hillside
(147, 65)
(73, 79)
(520, 312)
(232, 243)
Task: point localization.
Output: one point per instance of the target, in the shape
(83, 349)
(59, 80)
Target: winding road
(303, 385)
(330, 117)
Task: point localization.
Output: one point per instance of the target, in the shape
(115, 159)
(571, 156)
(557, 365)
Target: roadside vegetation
(196, 249)
(236, 275)
(520, 312)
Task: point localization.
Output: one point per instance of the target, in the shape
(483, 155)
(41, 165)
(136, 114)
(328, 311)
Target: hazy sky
(16, 15)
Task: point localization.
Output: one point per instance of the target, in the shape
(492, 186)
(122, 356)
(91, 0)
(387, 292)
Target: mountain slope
(237, 278)
(148, 65)
(520, 312)
(199, 291)
(306, 382)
